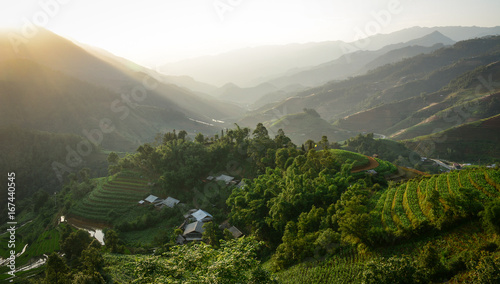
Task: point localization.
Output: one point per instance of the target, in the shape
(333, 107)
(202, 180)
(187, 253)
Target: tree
(392, 270)
(199, 138)
(282, 140)
(113, 158)
(56, 270)
(212, 234)
(182, 135)
(88, 278)
(74, 244)
(324, 144)
(169, 136)
(310, 144)
(260, 132)
(112, 240)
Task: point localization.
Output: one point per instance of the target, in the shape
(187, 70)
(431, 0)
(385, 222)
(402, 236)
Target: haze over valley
(279, 142)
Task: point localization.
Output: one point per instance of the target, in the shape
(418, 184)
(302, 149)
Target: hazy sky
(150, 30)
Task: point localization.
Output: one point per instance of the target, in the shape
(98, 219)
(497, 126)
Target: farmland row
(409, 204)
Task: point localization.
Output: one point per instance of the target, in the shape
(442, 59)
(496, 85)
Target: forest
(303, 211)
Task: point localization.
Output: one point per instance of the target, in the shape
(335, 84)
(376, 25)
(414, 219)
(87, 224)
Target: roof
(194, 227)
(141, 201)
(236, 233)
(151, 198)
(200, 215)
(170, 202)
(225, 178)
(191, 211)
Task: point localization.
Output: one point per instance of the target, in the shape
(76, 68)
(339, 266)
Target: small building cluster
(229, 180)
(193, 226)
(194, 219)
(158, 202)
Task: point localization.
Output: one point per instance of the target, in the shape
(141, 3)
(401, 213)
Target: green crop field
(343, 156)
(409, 203)
(112, 196)
(345, 267)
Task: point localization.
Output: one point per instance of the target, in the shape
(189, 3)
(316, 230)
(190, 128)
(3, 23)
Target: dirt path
(373, 164)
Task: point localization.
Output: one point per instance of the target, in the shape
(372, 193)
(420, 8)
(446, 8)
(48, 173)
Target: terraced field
(406, 205)
(112, 197)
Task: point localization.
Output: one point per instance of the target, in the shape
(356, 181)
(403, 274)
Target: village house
(201, 216)
(193, 232)
(169, 202)
(151, 198)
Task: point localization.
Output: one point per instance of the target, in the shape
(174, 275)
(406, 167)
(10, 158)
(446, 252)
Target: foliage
(491, 216)
(392, 270)
(233, 262)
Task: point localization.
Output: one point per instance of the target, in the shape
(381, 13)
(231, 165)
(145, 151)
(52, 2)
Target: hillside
(51, 101)
(471, 142)
(304, 126)
(31, 154)
(261, 64)
(306, 214)
(466, 98)
(51, 84)
(361, 61)
(408, 78)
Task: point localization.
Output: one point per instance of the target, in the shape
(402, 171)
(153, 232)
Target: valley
(308, 164)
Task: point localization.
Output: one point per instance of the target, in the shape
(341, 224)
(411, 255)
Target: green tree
(92, 260)
(310, 144)
(282, 140)
(56, 271)
(93, 277)
(397, 270)
(112, 241)
(74, 244)
(323, 143)
(212, 234)
(199, 138)
(113, 158)
(182, 135)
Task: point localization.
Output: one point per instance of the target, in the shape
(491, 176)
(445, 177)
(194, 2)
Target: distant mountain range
(414, 97)
(248, 67)
(404, 85)
(359, 62)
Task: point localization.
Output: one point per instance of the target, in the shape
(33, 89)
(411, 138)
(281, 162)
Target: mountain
(477, 141)
(395, 97)
(244, 66)
(30, 154)
(360, 62)
(301, 127)
(395, 82)
(123, 63)
(52, 84)
(464, 99)
(244, 96)
(252, 66)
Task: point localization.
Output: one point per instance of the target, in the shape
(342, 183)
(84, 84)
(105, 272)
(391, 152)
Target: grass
(112, 197)
(343, 156)
(348, 267)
